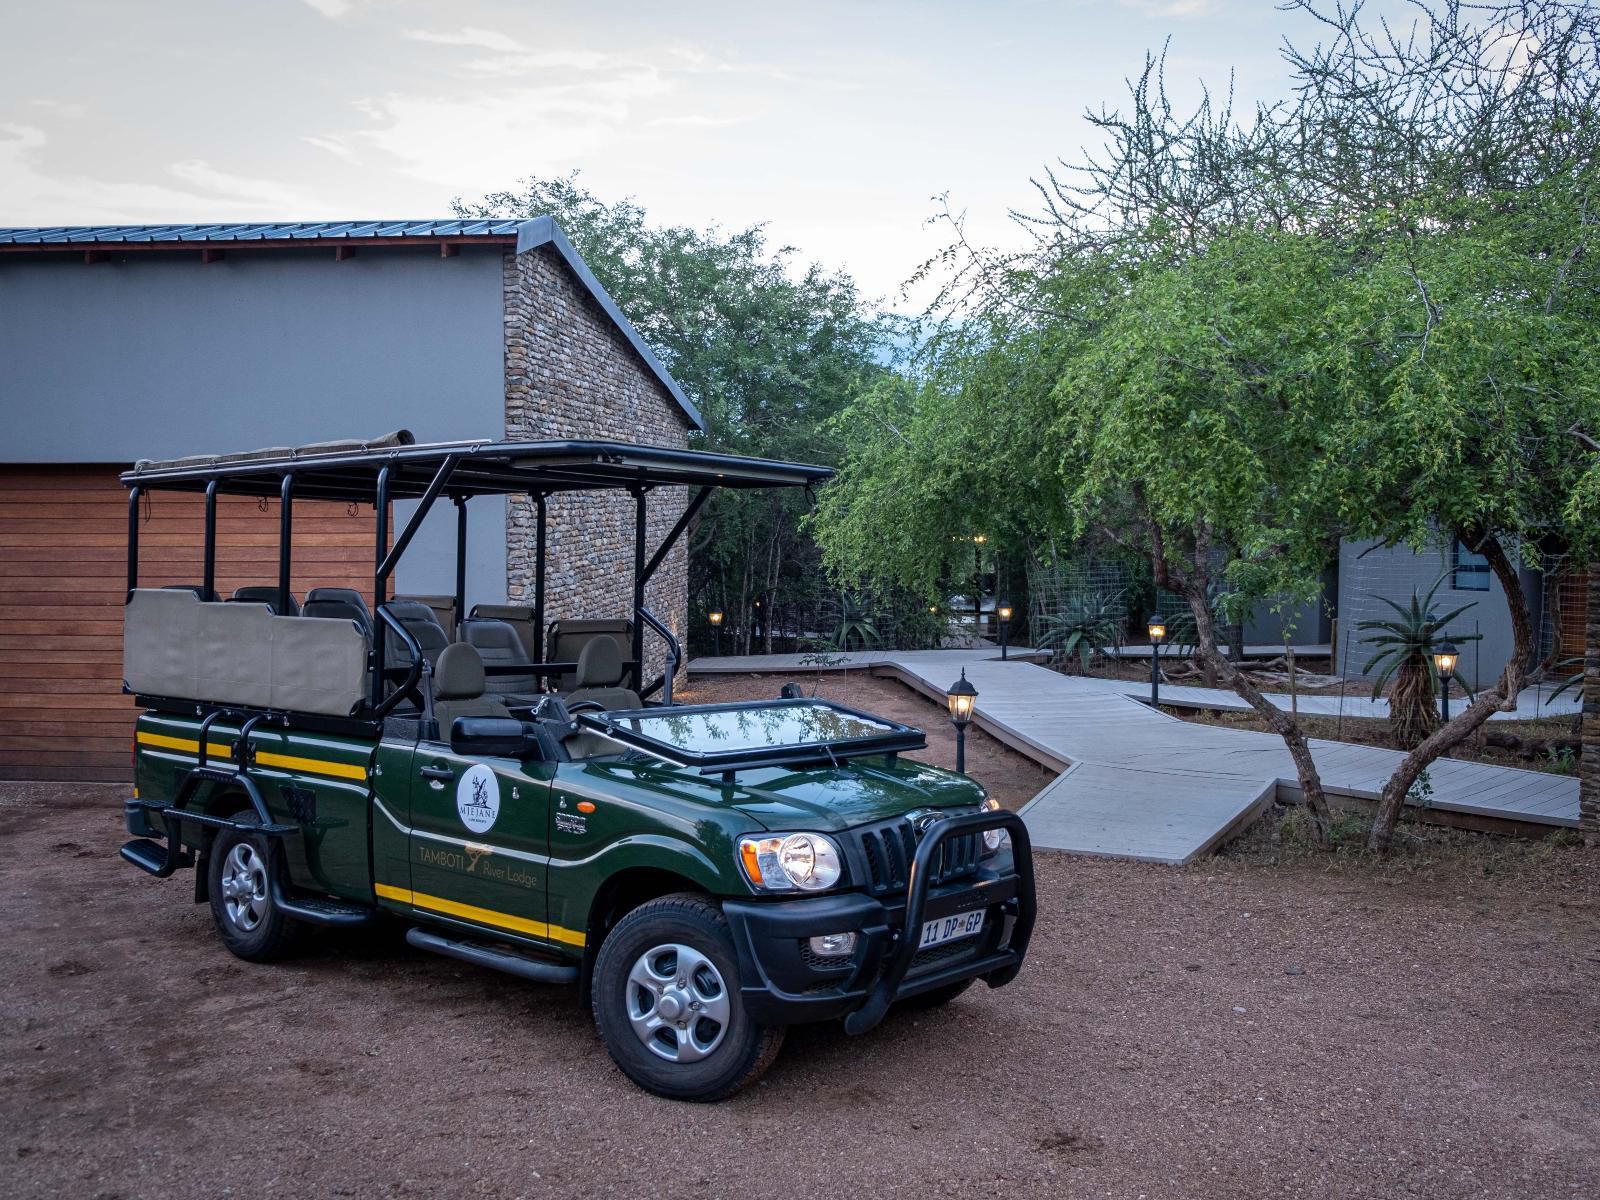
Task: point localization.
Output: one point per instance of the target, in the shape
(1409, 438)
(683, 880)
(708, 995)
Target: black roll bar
(285, 541)
(674, 656)
(134, 494)
(209, 582)
(383, 706)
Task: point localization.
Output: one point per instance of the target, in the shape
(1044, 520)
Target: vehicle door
(479, 840)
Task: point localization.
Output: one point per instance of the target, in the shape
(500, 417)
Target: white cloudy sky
(835, 123)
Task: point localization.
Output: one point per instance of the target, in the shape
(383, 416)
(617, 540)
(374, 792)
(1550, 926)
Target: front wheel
(666, 1002)
(239, 880)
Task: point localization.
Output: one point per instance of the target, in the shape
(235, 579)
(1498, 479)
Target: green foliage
(854, 627)
(1411, 636)
(1088, 624)
(769, 351)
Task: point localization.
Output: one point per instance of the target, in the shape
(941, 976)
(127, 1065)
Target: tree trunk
(1500, 698)
(1193, 589)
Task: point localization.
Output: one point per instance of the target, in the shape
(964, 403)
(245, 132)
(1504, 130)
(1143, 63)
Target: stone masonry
(571, 374)
(1589, 764)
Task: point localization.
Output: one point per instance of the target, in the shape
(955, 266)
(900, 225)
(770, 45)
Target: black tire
(250, 926)
(737, 1057)
(937, 998)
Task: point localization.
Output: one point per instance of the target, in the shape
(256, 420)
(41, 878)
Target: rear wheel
(239, 868)
(666, 1002)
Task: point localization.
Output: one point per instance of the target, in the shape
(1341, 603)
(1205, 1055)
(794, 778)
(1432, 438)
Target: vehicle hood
(829, 799)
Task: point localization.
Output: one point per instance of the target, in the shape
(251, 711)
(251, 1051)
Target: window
(1469, 572)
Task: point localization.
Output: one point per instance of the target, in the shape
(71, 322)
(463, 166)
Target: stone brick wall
(1589, 765)
(571, 374)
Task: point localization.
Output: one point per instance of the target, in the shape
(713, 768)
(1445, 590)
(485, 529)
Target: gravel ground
(1235, 1029)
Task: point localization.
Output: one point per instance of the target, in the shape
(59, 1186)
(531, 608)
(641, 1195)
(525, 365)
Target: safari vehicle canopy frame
(395, 467)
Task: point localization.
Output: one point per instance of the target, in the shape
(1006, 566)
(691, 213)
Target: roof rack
(349, 470)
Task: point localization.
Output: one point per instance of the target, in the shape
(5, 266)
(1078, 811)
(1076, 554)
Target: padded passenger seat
(338, 602)
(498, 645)
(599, 676)
(419, 622)
(263, 594)
(458, 682)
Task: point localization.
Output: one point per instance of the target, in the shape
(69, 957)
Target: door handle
(439, 773)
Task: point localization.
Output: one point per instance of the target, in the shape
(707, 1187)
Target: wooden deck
(1138, 783)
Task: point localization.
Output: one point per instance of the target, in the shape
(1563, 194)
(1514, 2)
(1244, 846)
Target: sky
(835, 124)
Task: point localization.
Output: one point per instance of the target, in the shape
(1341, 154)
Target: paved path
(1534, 702)
(1137, 783)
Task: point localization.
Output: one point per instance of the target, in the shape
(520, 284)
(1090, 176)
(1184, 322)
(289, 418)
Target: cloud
(1172, 8)
(332, 9)
(30, 194)
(481, 39)
(701, 121)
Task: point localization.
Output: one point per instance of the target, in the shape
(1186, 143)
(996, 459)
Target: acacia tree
(1365, 312)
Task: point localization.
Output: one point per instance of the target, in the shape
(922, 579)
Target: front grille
(889, 849)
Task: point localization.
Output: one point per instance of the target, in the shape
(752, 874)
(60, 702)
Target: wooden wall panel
(63, 563)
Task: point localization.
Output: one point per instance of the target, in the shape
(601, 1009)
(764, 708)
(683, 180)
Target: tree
(1367, 311)
(768, 349)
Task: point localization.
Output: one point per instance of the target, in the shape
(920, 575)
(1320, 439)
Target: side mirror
(496, 737)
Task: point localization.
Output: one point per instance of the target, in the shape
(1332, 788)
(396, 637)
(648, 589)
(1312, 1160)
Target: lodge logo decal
(478, 798)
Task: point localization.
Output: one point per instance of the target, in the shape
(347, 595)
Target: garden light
(1003, 611)
(1157, 628)
(715, 617)
(1445, 656)
(960, 698)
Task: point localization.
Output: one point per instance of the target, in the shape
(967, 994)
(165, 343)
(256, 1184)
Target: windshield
(719, 731)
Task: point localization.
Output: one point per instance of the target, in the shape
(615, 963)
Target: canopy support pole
(285, 542)
(134, 495)
(208, 584)
(424, 505)
(671, 539)
(461, 563)
(538, 575)
(639, 576)
(380, 581)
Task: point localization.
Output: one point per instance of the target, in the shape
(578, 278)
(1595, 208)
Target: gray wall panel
(156, 355)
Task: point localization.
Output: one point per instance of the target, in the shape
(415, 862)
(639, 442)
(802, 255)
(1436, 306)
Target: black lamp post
(1003, 611)
(1157, 628)
(960, 699)
(715, 617)
(1445, 656)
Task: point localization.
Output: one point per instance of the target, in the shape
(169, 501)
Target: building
(129, 342)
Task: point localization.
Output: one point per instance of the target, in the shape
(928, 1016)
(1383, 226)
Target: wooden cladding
(63, 569)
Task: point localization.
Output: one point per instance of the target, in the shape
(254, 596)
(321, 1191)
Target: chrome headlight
(993, 839)
(806, 862)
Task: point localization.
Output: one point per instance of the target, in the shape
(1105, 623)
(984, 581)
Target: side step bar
(150, 855)
(495, 959)
(319, 910)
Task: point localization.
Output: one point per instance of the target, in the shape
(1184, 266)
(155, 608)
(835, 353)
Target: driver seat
(599, 678)
(458, 682)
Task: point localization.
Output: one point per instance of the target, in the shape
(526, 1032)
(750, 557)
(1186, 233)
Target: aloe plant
(1091, 623)
(1405, 646)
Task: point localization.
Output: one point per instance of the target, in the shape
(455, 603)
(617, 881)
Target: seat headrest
(265, 594)
(408, 611)
(337, 610)
(458, 675)
(344, 595)
(487, 634)
(599, 664)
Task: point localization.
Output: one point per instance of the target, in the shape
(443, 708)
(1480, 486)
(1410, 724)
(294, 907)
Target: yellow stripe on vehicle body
(263, 758)
(484, 916)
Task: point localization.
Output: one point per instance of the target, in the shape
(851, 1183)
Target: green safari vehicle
(515, 794)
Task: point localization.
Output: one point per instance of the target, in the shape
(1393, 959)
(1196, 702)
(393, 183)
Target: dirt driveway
(1230, 1030)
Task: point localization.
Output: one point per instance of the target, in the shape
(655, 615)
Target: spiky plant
(854, 628)
(1089, 624)
(1405, 647)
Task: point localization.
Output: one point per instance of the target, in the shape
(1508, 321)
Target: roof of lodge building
(94, 242)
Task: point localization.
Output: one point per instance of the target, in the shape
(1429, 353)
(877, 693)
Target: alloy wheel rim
(244, 887)
(678, 1003)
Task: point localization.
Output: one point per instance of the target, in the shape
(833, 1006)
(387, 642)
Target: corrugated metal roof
(253, 231)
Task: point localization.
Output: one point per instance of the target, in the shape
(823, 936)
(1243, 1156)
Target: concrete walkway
(1533, 703)
(1137, 783)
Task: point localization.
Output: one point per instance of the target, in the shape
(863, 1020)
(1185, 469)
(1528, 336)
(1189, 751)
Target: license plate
(950, 929)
